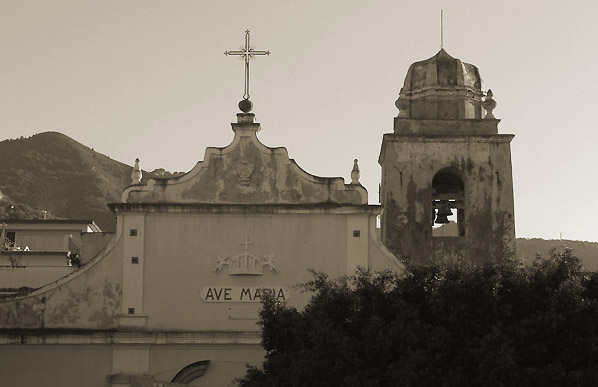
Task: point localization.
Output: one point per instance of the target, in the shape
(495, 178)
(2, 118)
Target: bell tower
(447, 186)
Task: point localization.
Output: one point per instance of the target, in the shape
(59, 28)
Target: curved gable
(246, 172)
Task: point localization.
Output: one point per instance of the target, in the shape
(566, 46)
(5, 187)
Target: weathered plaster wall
(246, 172)
(183, 261)
(410, 163)
(225, 363)
(32, 270)
(90, 365)
(85, 299)
(379, 256)
(92, 243)
(46, 235)
(54, 365)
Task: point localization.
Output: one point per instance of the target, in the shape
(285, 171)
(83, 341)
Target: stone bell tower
(447, 186)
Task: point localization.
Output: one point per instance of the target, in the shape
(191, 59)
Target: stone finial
(489, 105)
(136, 173)
(355, 173)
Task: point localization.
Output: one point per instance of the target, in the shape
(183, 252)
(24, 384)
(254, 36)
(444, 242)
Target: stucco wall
(92, 243)
(409, 165)
(246, 172)
(183, 261)
(54, 365)
(225, 363)
(88, 298)
(32, 276)
(379, 257)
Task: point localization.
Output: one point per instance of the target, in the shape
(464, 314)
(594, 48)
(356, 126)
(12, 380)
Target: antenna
(441, 29)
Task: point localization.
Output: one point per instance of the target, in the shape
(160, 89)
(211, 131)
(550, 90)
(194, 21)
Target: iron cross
(247, 54)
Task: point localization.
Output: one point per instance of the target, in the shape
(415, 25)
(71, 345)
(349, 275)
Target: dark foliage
(445, 325)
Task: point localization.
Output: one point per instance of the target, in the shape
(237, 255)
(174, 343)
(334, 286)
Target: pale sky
(149, 79)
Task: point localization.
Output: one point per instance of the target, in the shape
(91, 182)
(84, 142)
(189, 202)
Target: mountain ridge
(51, 171)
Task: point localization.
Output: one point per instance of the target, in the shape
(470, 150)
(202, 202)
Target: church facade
(173, 298)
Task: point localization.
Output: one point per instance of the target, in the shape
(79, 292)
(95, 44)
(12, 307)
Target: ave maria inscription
(244, 264)
(242, 294)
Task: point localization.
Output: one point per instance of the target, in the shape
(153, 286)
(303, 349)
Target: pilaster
(131, 315)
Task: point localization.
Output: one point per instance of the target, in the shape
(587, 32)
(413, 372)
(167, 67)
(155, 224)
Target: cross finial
(247, 53)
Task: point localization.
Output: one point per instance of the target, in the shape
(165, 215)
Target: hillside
(54, 172)
(527, 249)
(586, 251)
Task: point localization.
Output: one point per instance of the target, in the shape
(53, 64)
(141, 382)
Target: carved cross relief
(245, 263)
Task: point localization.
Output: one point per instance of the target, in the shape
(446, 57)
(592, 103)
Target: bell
(441, 219)
(443, 213)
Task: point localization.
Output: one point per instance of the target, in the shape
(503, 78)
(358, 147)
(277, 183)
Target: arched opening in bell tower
(448, 203)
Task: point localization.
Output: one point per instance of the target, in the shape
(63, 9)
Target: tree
(453, 324)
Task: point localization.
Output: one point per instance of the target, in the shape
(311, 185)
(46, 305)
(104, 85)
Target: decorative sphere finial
(246, 105)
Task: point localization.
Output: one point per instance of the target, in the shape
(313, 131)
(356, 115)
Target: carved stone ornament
(489, 105)
(355, 173)
(136, 173)
(245, 263)
(244, 169)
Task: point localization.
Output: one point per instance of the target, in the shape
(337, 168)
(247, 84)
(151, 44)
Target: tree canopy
(451, 324)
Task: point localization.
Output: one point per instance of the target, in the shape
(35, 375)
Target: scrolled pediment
(246, 172)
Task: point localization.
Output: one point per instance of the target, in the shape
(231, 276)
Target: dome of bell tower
(441, 87)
